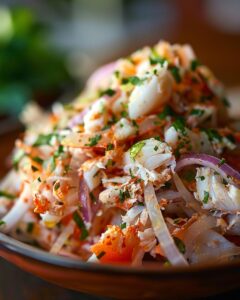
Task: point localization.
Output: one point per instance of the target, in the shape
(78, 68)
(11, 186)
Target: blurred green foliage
(29, 65)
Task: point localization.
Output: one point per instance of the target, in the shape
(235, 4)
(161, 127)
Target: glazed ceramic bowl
(117, 282)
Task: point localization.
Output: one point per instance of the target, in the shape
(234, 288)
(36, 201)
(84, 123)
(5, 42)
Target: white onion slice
(160, 228)
(186, 195)
(18, 210)
(61, 240)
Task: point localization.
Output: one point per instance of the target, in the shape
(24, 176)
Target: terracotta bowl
(116, 281)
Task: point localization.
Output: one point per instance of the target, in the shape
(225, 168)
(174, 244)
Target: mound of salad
(143, 166)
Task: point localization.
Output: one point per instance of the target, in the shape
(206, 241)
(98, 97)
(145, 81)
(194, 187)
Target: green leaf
(176, 74)
(2, 222)
(17, 158)
(181, 246)
(206, 197)
(7, 195)
(44, 139)
(194, 64)
(78, 220)
(179, 126)
(108, 92)
(134, 80)
(136, 148)
(167, 111)
(197, 112)
(94, 140)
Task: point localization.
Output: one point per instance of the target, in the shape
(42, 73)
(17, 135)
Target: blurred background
(49, 48)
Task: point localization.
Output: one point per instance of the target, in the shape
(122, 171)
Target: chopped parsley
(108, 92)
(110, 147)
(156, 59)
(155, 148)
(101, 254)
(78, 220)
(57, 186)
(194, 64)
(222, 161)
(136, 148)
(206, 197)
(213, 134)
(197, 112)
(181, 246)
(167, 111)
(124, 114)
(2, 222)
(39, 179)
(110, 163)
(123, 225)
(7, 195)
(202, 178)
(94, 140)
(179, 126)
(30, 227)
(38, 160)
(134, 80)
(175, 73)
(45, 139)
(17, 158)
(123, 195)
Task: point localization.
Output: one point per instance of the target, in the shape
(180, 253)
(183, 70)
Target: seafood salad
(143, 166)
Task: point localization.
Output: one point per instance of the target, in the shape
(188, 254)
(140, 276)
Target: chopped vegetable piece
(136, 148)
(78, 220)
(94, 140)
(206, 197)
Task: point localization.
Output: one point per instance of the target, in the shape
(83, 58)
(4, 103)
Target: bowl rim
(28, 251)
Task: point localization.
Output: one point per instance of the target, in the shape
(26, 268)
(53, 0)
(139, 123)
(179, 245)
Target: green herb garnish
(110, 147)
(136, 148)
(123, 195)
(123, 225)
(222, 161)
(2, 222)
(167, 111)
(179, 126)
(134, 80)
(45, 139)
(206, 197)
(197, 112)
(38, 160)
(154, 60)
(17, 158)
(194, 64)
(78, 220)
(30, 227)
(181, 246)
(94, 140)
(7, 195)
(176, 74)
(108, 92)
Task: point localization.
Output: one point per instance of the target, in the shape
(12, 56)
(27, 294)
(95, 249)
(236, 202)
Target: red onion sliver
(85, 200)
(227, 172)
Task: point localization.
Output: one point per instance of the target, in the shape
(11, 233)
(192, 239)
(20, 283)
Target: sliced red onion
(101, 74)
(85, 200)
(160, 228)
(78, 119)
(89, 200)
(227, 172)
